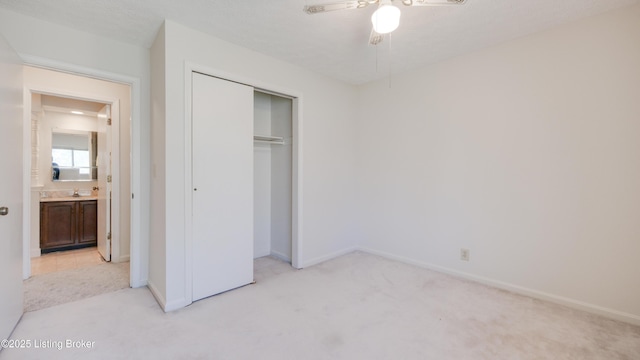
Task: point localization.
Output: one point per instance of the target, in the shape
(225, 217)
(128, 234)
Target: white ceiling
(334, 44)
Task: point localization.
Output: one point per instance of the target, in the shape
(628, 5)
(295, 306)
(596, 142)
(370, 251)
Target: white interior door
(222, 173)
(104, 184)
(11, 189)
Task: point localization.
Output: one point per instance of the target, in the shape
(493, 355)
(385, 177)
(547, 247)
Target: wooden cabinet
(88, 222)
(68, 224)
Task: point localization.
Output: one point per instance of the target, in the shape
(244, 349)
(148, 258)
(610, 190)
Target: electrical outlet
(464, 254)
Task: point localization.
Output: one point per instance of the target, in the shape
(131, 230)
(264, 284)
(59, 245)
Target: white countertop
(68, 198)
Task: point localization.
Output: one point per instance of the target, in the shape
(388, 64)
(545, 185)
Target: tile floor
(65, 260)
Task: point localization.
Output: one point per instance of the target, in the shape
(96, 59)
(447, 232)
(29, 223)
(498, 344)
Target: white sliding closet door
(222, 148)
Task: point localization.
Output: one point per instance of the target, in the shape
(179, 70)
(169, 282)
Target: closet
(241, 182)
(272, 176)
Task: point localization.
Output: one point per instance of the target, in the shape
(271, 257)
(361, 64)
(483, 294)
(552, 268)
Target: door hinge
(108, 178)
(109, 122)
(109, 235)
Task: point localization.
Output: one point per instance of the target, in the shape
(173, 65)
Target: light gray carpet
(46, 290)
(357, 306)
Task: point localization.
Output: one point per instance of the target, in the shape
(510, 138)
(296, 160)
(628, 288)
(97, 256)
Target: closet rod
(268, 139)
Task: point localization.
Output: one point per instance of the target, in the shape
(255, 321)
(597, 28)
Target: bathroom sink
(69, 198)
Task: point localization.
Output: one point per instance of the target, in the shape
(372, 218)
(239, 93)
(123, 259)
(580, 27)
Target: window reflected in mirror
(73, 155)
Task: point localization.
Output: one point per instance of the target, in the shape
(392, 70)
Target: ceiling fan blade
(433, 2)
(375, 38)
(345, 5)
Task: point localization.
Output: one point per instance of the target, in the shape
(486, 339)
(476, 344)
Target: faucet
(75, 193)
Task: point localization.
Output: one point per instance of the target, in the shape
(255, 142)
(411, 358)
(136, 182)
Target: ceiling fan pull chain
(390, 61)
(376, 58)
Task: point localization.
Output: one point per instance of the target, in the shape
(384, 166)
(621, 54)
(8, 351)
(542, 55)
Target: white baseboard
(261, 254)
(175, 305)
(156, 294)
(280, 256)
(166, 306)
(120, 259)
(327, 257)
(572, 303)
(35, 252)
(139, 283)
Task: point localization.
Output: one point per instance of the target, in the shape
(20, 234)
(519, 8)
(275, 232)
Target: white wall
(526, 153)
(43, 42)
(261, 177)
(281, 175)
(157, 242)
(328, 117)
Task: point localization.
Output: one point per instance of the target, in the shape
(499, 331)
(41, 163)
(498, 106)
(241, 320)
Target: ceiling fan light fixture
(386, 19)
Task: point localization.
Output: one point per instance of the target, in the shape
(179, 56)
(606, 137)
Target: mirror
(73, 155)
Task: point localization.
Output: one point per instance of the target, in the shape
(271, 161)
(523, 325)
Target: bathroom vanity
(68, 223)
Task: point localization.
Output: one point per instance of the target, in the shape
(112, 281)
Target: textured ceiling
(335, 43)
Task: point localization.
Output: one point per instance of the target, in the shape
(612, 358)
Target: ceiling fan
(385, 19)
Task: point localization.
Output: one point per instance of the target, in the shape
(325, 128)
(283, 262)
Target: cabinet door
(87, 222)
(57, 224)
(222, 143)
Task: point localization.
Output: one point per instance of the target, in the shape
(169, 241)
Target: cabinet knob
(4, 211)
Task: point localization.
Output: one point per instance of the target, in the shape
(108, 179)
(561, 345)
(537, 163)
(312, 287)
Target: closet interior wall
(273, 177)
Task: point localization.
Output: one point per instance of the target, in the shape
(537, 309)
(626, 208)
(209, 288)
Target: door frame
(104, 241)
(137, 276)
(296, 162)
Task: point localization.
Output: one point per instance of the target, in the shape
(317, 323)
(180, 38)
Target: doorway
(76, 182)
(70, 164)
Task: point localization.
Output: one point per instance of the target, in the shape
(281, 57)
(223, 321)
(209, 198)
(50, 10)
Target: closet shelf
(265, 139)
